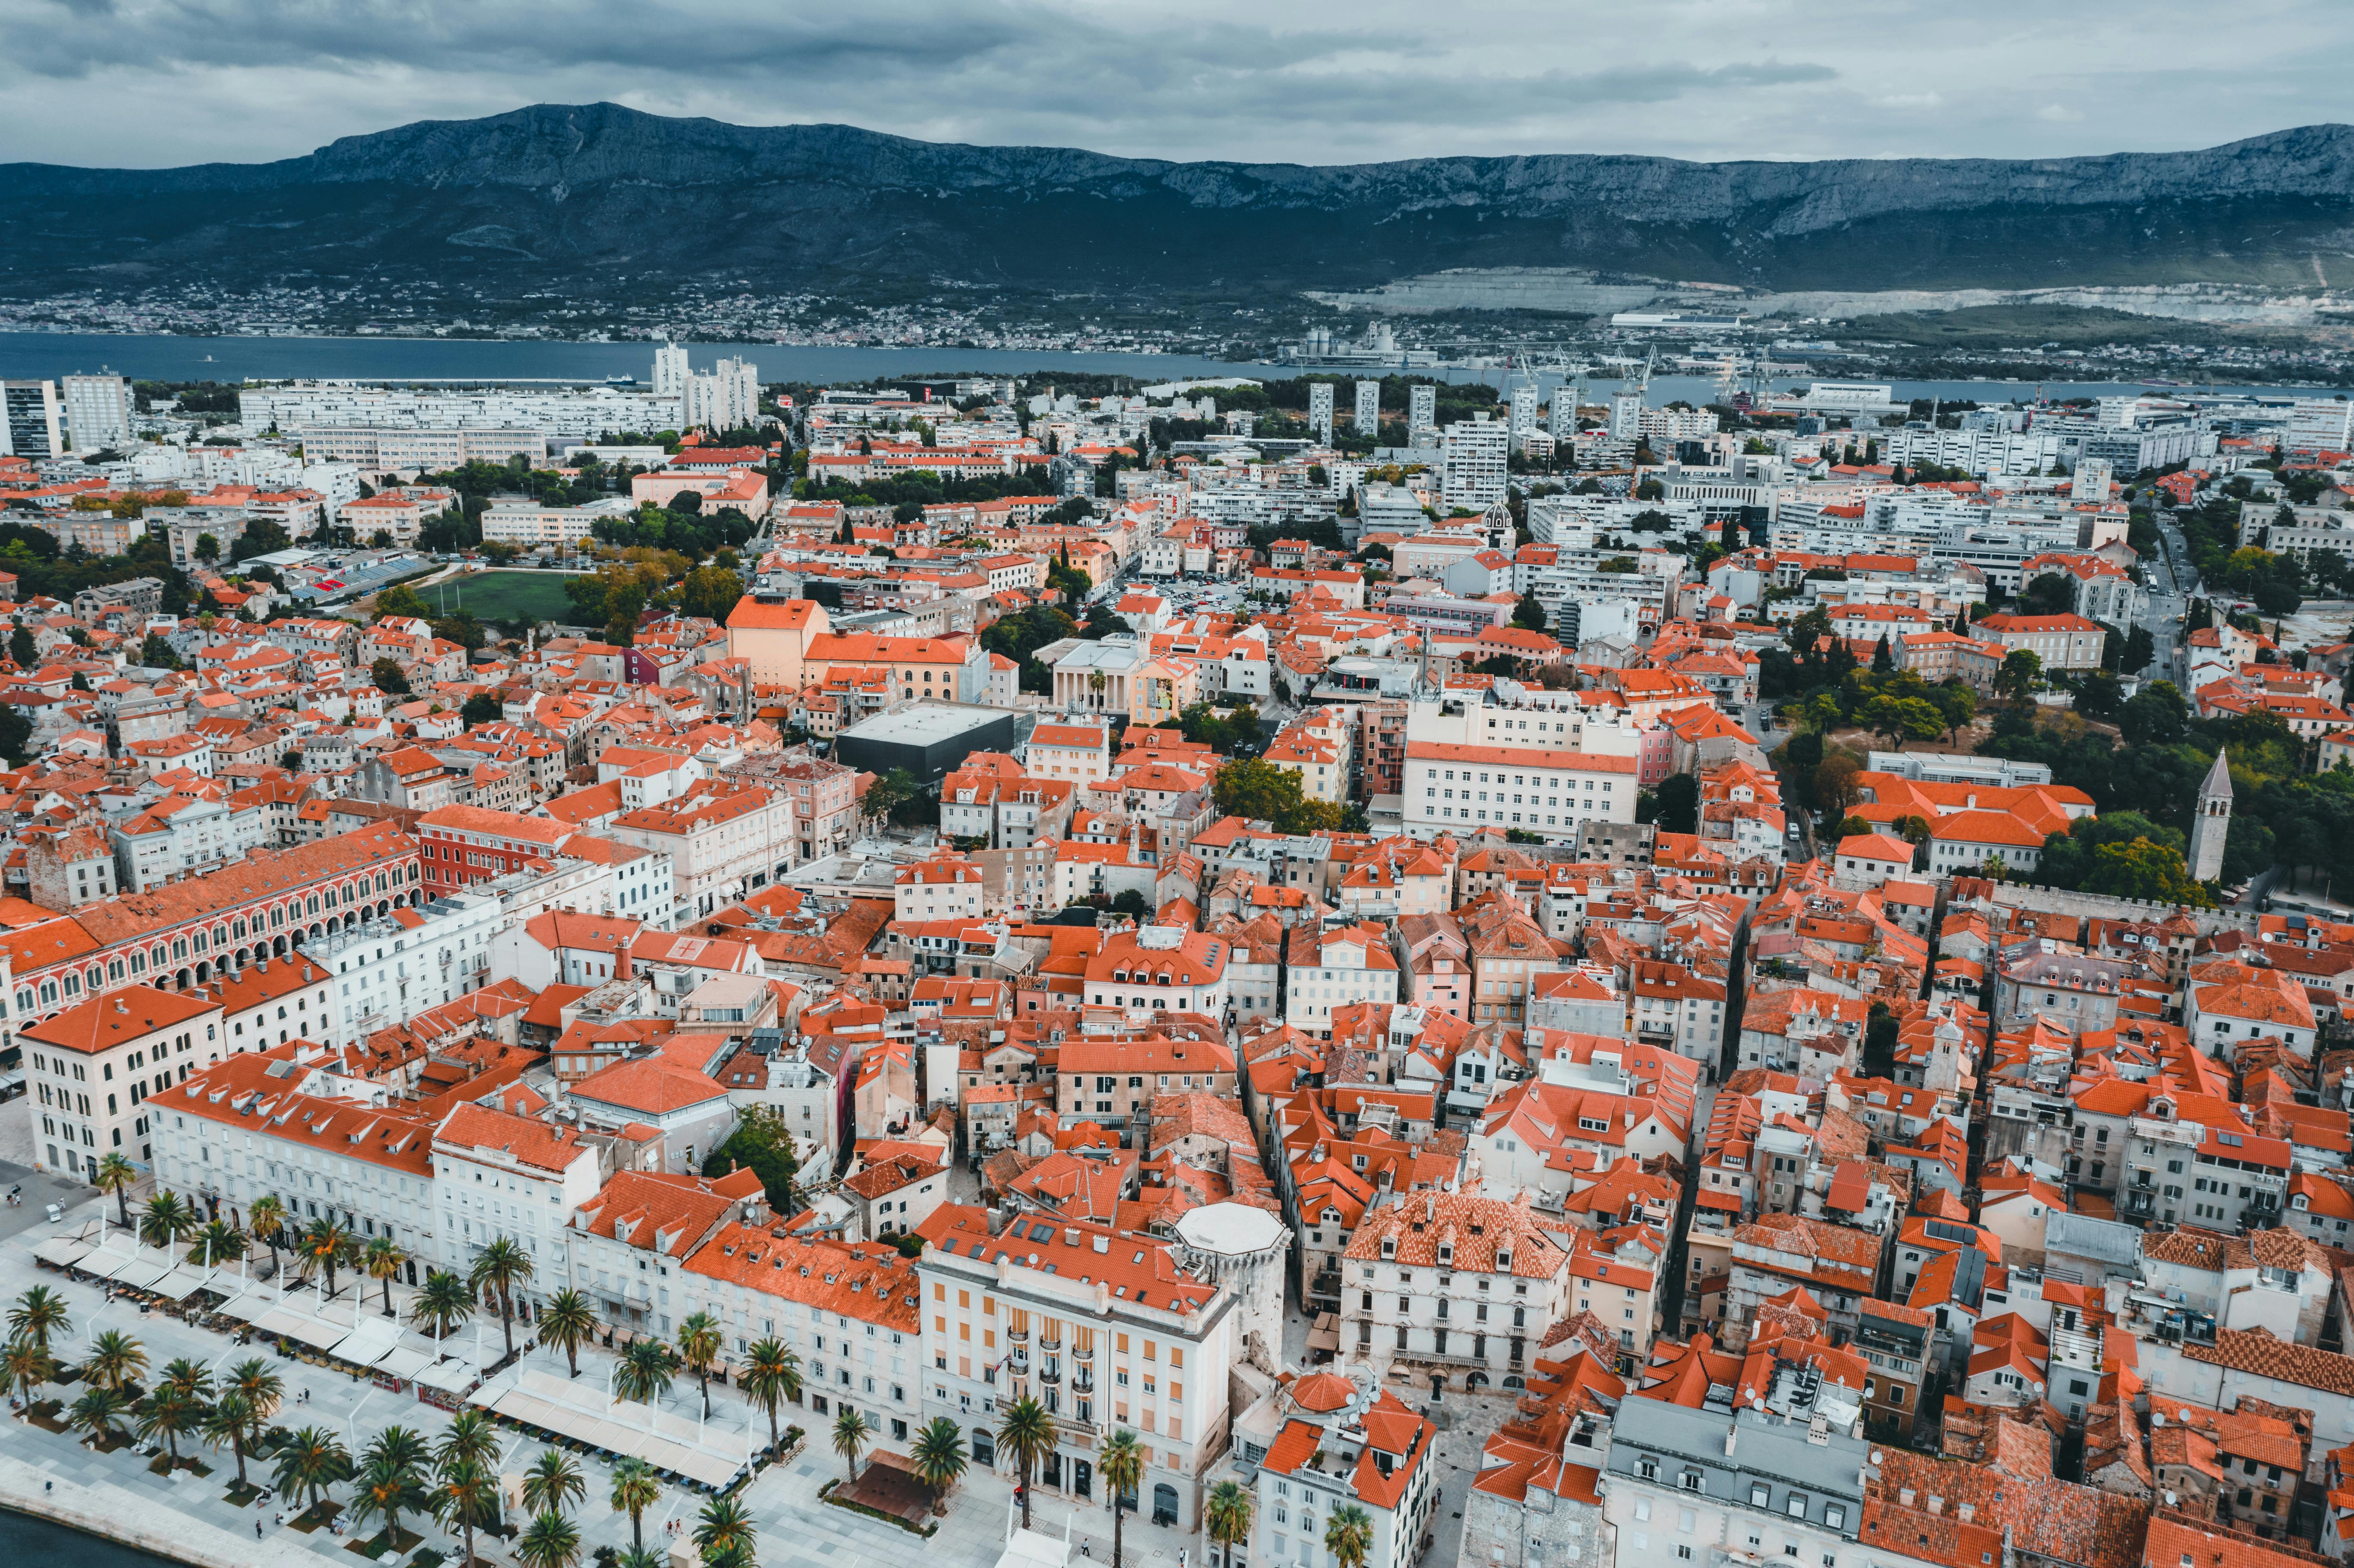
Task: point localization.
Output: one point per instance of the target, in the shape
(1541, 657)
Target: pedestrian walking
(257, 1529)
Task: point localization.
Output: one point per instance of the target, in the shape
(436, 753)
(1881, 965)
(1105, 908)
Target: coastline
(111, 1513)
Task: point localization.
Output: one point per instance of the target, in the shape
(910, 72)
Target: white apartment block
(1547, 792)
(522, 521)
(1476, 453)
(586, 411)
(98, 410)
(93, 1068)
(390, 970)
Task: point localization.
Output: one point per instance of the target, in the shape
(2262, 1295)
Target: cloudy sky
(152, 82)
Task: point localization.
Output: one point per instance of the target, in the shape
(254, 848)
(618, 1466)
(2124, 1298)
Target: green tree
(388, 677)
(553, 1483)
(938, 1457)
(265, 1217)
(636, 1488)
(115, 1360)
(326, 1246)
(1901, 719)
(382, 1259)
(502, 1268)
(771, 1374)
(724, 1532)
(2155, 715)
(1882, 662)
(1835, 786)
(155, 653)
(1121, 1465)
(1227, 1512)
(549, 1540)
(1957, 707)
(1027, 1435)
(646, 1371)
(1349, 1535)
(25, 1367)
(207, 548)
(852, 1433)
(481, 708)
(465, 1498)
(166, 1220)
(401, 599)
(569, 1322)
(471, 1437)
(175, 1406)
(390, 1482)
(711, 592)
(1257, 790)
(22, 650)
(1675, 805)
(309, 1464)
(441, 1304)
(36, 1314)
(763, 1145)
(229, 1424)
(1530, 614)
(2022, 668)
(96, 1413)
(699, 1343)
(889, 791)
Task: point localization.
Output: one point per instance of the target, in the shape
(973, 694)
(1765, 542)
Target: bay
(36, 1543)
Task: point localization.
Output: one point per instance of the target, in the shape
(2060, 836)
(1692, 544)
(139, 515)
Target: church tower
(2211, 822)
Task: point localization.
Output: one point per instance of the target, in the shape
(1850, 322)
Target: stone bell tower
(2211, 822)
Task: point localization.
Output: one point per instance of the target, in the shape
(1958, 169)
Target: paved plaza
(797, 1529)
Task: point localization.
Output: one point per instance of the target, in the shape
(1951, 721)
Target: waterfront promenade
(189, 1517)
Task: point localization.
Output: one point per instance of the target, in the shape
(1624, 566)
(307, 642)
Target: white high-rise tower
(670, 371)
(1369, 407)
(1320, 409)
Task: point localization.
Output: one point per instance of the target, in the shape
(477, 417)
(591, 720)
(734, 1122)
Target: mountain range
(602, 202)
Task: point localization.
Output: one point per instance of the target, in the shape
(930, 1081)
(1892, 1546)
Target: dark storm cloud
(1306, 80)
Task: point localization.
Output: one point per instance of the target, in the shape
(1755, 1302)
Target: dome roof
(1322, 1392)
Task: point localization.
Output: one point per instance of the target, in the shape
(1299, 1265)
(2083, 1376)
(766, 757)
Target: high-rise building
(1369, 407)
(1561, 423)
(1626, 414)
(29, 419)
(2320, 425)
(2091, 479)
(1523, 401)
(1422, 410)
(1477, 454)
(1320, 409)
(671, 371)
(728, 398)
(98, 410)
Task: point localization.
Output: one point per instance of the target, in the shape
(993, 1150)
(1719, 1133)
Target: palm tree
(638, 1557)
(772, 1375)
(382, 1259)
(645, 1371)
(442, 1304)
(568, 1321)
(549, 1541)
(117, 1175)
(115, 1360)
(465, 1498)
(95, 1412)
(327, 1245)
(218, 1240)
(176, 1407)
(38, 1314)
(263, 1392)
(1121, 1465)
(1027, 1433)
(552, 1484)
(311, 1461)
(27, 1366)
(636, 1488)
(724, 1530)
(939, 1457)
(266, 1218)
(850, 1433)
(470, 1439)
(167, 1218)
(699, 1341)
(226, 1424)
(500, 1268)
(1349, 1535)
(391, 1482)
(1228, 1515)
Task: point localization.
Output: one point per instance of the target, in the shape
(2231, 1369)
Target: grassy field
(503, 596)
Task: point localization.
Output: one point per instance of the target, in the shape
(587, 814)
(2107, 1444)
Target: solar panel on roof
(1946, 1229)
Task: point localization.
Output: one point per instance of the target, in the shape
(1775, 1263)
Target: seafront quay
(192, 1516)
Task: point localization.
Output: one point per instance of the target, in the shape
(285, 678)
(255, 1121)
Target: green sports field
(502, 596)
